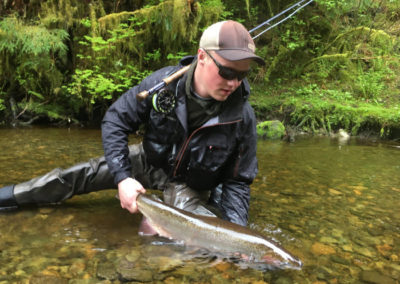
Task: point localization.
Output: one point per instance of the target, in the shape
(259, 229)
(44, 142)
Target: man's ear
(201, 56)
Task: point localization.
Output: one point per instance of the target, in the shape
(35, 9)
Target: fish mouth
(295, 264)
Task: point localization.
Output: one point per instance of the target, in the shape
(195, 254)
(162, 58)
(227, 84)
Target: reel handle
(144, 94)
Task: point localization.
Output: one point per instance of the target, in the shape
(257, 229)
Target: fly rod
(164, 101)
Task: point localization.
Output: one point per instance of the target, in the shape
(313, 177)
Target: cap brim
(235, 55)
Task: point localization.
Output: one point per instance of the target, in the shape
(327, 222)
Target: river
(332, 203)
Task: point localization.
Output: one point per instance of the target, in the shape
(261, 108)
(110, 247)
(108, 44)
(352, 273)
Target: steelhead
(214, 234)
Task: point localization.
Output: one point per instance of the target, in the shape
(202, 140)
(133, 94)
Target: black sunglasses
(228, 73)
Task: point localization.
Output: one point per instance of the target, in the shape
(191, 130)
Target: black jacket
(223, 151)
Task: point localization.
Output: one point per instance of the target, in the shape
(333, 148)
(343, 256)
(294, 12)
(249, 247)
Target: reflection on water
(334, 204)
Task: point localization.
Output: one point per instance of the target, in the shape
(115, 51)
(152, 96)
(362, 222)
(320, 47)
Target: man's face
(209, 83)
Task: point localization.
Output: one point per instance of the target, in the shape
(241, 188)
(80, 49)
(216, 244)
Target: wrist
(118, 177)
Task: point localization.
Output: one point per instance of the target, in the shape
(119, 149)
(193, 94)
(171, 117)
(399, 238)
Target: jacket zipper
(181, 153)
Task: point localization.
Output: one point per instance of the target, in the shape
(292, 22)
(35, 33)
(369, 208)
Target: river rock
(164, 263)
(324, 273)
(273, 129)
(333, 191)
(347, 248)
(129, 271)
(136, 274)
(364, 251)
(106, 270)
(283, 280)
(47, 279)
(375, 277)
(328, 240)
(321, 249)
(384, 249)
(222, 266)
(133, 256)
(340, 260)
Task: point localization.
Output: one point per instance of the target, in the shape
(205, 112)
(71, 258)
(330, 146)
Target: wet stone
(375, 231)
(375, 277)
(133, 256)
(129, 271)
(172, 280)
(77, 268)
(184, 271)
(396, 274)
(340, 260)
(47, 279)
(364, 252)
(321, 249)
(329, 240)
(165, 264)
(268, 277)
(384, 249)
(107, 271)
(136, 274)
(283, 280)
(323, 273)
(347, 248)
(312, 225)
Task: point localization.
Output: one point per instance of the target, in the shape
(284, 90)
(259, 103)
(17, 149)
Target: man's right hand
(128, 190)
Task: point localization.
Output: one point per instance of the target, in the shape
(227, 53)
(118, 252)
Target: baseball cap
(230, 40)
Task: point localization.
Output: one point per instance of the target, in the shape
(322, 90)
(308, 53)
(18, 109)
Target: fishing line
(298, 4)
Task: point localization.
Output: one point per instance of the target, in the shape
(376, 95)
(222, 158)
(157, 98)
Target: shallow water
(334, 204)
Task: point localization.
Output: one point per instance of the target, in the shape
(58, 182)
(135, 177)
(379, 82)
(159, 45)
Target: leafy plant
(29, 58)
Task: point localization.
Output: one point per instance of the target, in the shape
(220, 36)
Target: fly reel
(163, 101)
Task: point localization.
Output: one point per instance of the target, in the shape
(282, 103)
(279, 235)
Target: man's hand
(128, 190)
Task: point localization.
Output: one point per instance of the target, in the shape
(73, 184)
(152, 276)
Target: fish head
(282, 263)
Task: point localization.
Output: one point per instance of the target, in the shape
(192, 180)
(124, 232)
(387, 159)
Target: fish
(215, 235)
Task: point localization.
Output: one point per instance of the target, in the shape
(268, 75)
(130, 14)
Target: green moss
(315, 110)
(273, 129)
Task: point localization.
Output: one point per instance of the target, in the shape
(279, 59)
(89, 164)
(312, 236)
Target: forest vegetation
(335, 64)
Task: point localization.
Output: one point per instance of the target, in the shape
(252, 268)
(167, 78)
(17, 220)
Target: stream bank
(312, 110)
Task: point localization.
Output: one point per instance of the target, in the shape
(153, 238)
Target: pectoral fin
(146, 229)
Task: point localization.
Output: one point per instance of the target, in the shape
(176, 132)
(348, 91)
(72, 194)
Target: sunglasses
(228, 73)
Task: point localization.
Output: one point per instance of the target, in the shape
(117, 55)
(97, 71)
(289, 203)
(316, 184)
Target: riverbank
(315, 109)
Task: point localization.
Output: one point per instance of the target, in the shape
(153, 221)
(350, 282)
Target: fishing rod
(164, 101)
(299, 6)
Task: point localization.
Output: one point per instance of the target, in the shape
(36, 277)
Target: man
(204, 150)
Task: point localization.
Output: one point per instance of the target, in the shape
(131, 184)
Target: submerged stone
(133, 256)
(129, 271)
(340, 260)
(136, 274)
(38, 279)
(321, 249)
(375, 277)
(107, 270)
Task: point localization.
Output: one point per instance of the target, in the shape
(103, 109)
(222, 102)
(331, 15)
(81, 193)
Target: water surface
(334, 204)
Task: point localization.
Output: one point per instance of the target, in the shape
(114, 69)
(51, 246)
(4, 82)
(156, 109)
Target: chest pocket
(207, 159)
(211, 155)
(162, 128)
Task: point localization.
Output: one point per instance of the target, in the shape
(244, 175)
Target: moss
(271, 129)
(170, 24)
(316, 110)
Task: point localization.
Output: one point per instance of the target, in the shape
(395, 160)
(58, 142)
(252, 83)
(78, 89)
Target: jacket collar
(232, 110)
